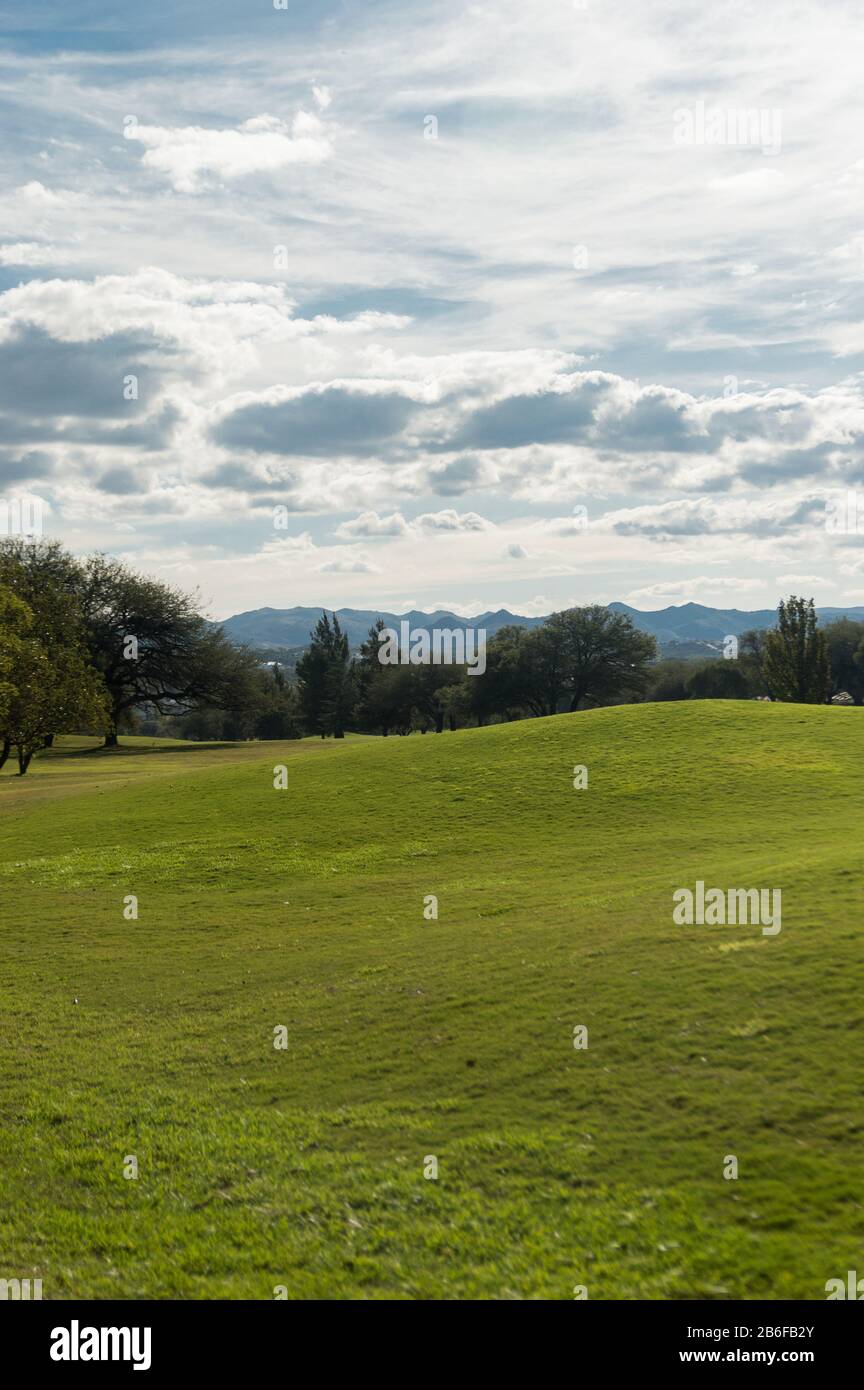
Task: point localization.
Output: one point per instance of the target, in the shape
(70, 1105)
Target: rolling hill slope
(303, 1168)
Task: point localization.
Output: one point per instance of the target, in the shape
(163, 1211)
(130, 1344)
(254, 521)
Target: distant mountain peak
(285, 628)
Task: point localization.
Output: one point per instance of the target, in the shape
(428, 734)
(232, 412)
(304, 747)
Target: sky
(442, 305)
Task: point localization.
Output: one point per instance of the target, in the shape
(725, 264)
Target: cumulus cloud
(193, 312)
(358, 566)
(263, 144)
(353, 418)
(450, 520)
(576, 425)
(706, 516)
(371, 524)
(36, 194)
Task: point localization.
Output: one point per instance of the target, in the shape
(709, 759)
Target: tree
(53, 696)
(717, 680)
(42, 693)
(796, 655)
(388, 703)
(153, 647)
(454, 700)
(667, 680)
(751, 659)
(28, 567)
(428, 682)
(844, 638)
(368, 664)
(543, 663)
(16, 620)
(325, 680)
(602, 653)
(50, 686)
(278, 711)
(521, 675)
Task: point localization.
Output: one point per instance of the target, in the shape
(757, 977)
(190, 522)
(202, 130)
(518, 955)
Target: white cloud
(358, 566)
(262, 144)
(31, 253)
(687, 588)
(450, 520)
(37, 194)
(371, 524)
(805, 579)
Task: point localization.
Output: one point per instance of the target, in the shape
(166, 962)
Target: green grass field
(303, 907)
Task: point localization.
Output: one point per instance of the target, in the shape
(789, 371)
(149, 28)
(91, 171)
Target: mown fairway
(454, 1038)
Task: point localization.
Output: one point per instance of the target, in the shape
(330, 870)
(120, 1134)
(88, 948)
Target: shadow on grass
(125, 751)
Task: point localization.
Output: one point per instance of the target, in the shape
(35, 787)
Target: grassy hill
(454, 1038)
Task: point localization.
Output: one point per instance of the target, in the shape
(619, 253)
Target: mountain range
(276, 629)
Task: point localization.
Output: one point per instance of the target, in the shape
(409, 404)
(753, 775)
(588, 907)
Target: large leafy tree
(796, 655)
(602, 654)
(51, 695)
(152, 646)
(46, 686)
(514, 680)
(148, 641)
(543, 667)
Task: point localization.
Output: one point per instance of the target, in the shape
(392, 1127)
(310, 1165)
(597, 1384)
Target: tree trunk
(49, 741)
(5, 750)
(23, 761)
(111, 740)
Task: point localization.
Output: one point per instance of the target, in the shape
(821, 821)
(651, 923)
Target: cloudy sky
(467, 305)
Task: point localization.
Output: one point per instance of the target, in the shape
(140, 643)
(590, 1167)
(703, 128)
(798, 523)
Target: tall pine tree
(795, 662)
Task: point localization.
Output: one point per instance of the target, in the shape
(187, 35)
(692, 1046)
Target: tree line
(576, 659)
(90, 646)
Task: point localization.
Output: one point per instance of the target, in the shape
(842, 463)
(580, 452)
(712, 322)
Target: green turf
(407, 1038)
